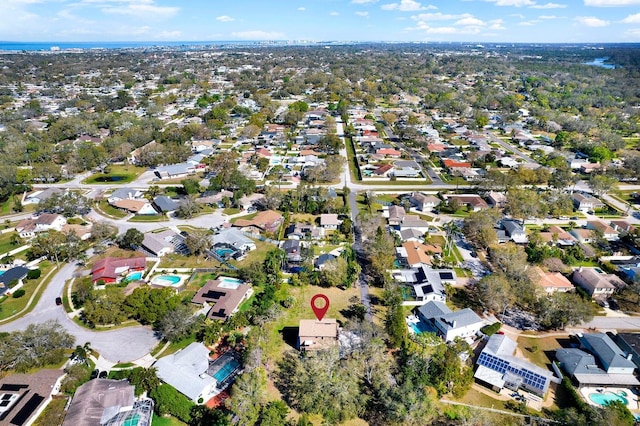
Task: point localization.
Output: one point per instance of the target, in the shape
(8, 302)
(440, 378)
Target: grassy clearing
(257, 255)
(11, 306)
(539, 351)
(5, 242)
(281, 334)
(165, 421)
(480, 399)
(109, 210)
(177, 261)
(246, 217)
(118, 174)
(230, 211)
(352, 163)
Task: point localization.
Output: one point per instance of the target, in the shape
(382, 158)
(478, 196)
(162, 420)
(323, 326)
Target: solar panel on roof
(446, 275)
(27, 410)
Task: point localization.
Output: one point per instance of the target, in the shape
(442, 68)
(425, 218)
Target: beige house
(314, 334)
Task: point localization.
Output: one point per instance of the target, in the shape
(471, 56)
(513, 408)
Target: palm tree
(452, 231)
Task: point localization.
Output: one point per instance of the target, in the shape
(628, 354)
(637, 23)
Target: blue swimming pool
(226, 370)
(166, 280)
(134, 276)
(228, 282)
(603, 398)
(224, 251)
(419, 327)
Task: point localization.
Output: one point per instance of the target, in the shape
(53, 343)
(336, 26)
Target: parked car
(58, 301)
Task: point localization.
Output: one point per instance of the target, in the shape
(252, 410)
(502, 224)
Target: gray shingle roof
(185, 370)
(605, 349)
(165, 204)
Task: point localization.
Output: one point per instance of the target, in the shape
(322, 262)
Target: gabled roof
(416, 253)
(131, 205)
(327, 327)
(434, 309)
(106, 268)
(15, 273)
(98, 401)
(224, 299)
(263, 220)
(329, 219)
(165, 204)
(606, 350)
(185, 370)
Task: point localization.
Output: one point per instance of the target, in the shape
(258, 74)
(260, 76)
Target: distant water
(48, 46)
(601, 62)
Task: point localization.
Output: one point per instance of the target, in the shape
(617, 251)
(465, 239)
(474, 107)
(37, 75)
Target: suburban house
(472, 201)
(497, 199)
(293, 249)
(395, 214)
(38, 196)
(301, 231)
(234, 238)
(514, 231)
(629, 266)
(140, 207)
(124, 194)
(423, 202)
(608, 233)
(323, 259)
(165, 204)
(411, 234)
(186, 370)
(551, 282)
(44, 222)
(24, 396)
(314, 334)
(268, 220)
(161, 243)
(585, 203)
(214, 198)
(329, 221)
(414, 254)
(106, 401)
(14, 275)
(427, 284)
(597, 284)
(113, 270)
(598, 362)
(223, 295)
(406, 169)
(449, 324)
(630, 344)
(82, 231)
(583, 235)
(415, 222)
(175, 171)
(558, 236)
(499, 368)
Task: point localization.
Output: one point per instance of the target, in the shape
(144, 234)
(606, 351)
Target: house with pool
(599, 362)
(224, 295)
(113, 270)
(195, 374)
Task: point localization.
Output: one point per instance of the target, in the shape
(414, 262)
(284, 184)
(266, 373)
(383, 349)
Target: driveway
(121, 345)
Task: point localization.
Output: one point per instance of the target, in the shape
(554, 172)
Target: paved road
(614, 323)
(510, 147)
(124, 345)
(205, 221)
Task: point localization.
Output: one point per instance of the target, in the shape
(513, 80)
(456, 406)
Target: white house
(449, 324)
(45, 222)
(424, 202)
(329, 221)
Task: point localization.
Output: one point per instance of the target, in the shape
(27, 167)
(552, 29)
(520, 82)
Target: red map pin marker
(320, 310)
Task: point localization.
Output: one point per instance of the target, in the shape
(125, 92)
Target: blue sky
(358, 20)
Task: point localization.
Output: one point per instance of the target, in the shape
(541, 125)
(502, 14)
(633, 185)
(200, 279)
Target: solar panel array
(530, 378)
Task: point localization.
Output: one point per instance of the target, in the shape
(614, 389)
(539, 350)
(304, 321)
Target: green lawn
(480, 399)
(247, 217)
(537, 350)
(257, 255)
(149, 218)
(109, 210)
(10, 306)
(351, 161)
(5, 242)
(117, 174)
(165, 421)
(230, 211)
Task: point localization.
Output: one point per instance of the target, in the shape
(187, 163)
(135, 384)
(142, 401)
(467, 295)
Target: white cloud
(225, 18)
(632, 19)
(170, 35)
(610, 3)
(527, 23)
(302, 9)
(496, 24)
(517, 15)
(258, 35)
(548, 6)
(406, 6)
(334, 13)
(547, 17)
(363, 14)
(448, 30)
(512, 3)
(591, 21)
(438, 16)
(140, 9)
(363, 1)
(470, 20)
(633, 33)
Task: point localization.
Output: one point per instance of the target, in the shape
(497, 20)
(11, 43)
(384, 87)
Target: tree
(187, 208)
(274, 413)
(38, 345)
(334, 272)
(198, 241)
(131, 239)
(169, 401)
(601, 184)
(191, 186)
(105, 307)
(201, 415)
(177, 323)
(495, 292)
(524, 203)
(149, 305)
(479, 227)
(103, 231)
(247, 395)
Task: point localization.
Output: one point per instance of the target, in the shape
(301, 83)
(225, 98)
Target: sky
(527, 21)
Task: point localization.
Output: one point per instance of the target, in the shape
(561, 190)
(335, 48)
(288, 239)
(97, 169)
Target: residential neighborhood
(169, 216)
